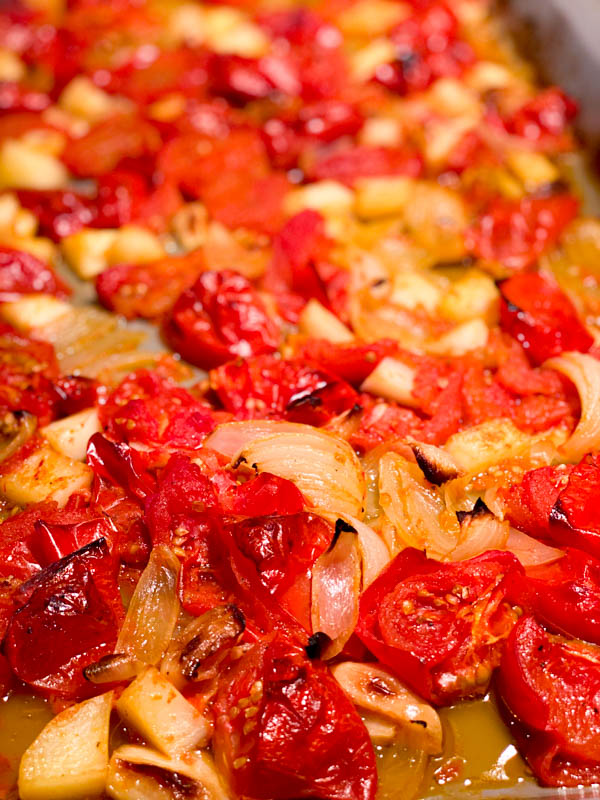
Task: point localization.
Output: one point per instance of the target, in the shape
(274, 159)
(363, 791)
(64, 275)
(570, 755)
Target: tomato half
(219, 318)
(277, 710)
(22, 273)
(67, 617)
(551, 689)
(539, 315)
(440, 626)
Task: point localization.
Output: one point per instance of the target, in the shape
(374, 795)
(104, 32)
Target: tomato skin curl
(550, 692)
(440, 626)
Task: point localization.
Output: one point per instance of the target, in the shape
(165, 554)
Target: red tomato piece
(362, 162)
(575, 516)
(517, 233)
(351, 362)
(16, 97)
(23, 273)
(540, 316)
(564, 595)
(551, 690)
(55, 540)
(219, 318)
(545, 119)
(17, 559)
(267, 386)
(440, 626)
(530, 502)
(67, 617)
(153, 411)
(109, 143)
(283, 550)
(381, 422)
(148, 290)
(76, 393)
(266, 494)
(120, 465)
(302, 717)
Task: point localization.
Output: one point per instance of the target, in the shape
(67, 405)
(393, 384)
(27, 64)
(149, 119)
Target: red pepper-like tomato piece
(55, 540)
(23, 273)
(267, 386)
(153, 411)
(219, 318)
(67, 617)
(283, 550)
(530, 502)
(517, 232)
(120, 465)
(298, 715)
(564, 595)
(550, 687)
(540, 316)
(440, 626)
(352, 362)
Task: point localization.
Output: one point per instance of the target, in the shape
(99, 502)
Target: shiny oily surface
(22, 717)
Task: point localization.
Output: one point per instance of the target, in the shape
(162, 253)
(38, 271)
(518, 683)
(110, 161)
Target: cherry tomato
(22, 273)
(440, 626)
(299, 715)
(266, 386)
(76, 393)
(540, 316)
(517, 232)
(219, 318)
(148, 290)
(67, 617)
(551, 690)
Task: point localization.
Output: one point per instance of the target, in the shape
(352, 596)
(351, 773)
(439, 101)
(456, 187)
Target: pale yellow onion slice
(415, 510)
(324, 467)
(584, 372)
(529, 551)
(374, 552)
(20, 427)
(336, 579)
(153, 610)
(229, 438)
(480, 531)
(113, 668)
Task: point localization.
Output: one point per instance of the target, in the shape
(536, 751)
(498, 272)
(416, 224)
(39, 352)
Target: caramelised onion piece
(530, 551)
(139, 773)
(480, 531)
(153, 610)
(324, 467)
(584, 371)
(229, 438)
(16, 428)
(114, 668)
(336, 583)
(416, 511)
(374, 689)
(374, 552)
(190, 656)
(436, 464)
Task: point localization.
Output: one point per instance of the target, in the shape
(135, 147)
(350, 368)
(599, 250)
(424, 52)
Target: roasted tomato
(517, 233)
(148, 290)
(529, 503)
(440, 626)
(120, 465)
(364, 162)
(55, 540)
(284, 549)
(22, 273)
(219, 318)
(540, 316)
(266, 494)
(565, 595)
(351, 362)
(67, 616)
(575, 516)
(267, 386)
(153, 411)
(275, 710)
(545, 119)
(551, 690)
(379, 422)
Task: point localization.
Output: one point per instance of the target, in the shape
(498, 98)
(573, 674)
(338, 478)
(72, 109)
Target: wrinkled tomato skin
(550, 690)
(564, 595)
(303, 717)
(540, 316)
(530, 502)
(120, 465)
(22, 273)
(67, 617)
(517, 233)
(266, 494)
(54, 541)
(76, 393)
(575, 518)
(432, 645)
(219, 318)
(269, 387)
